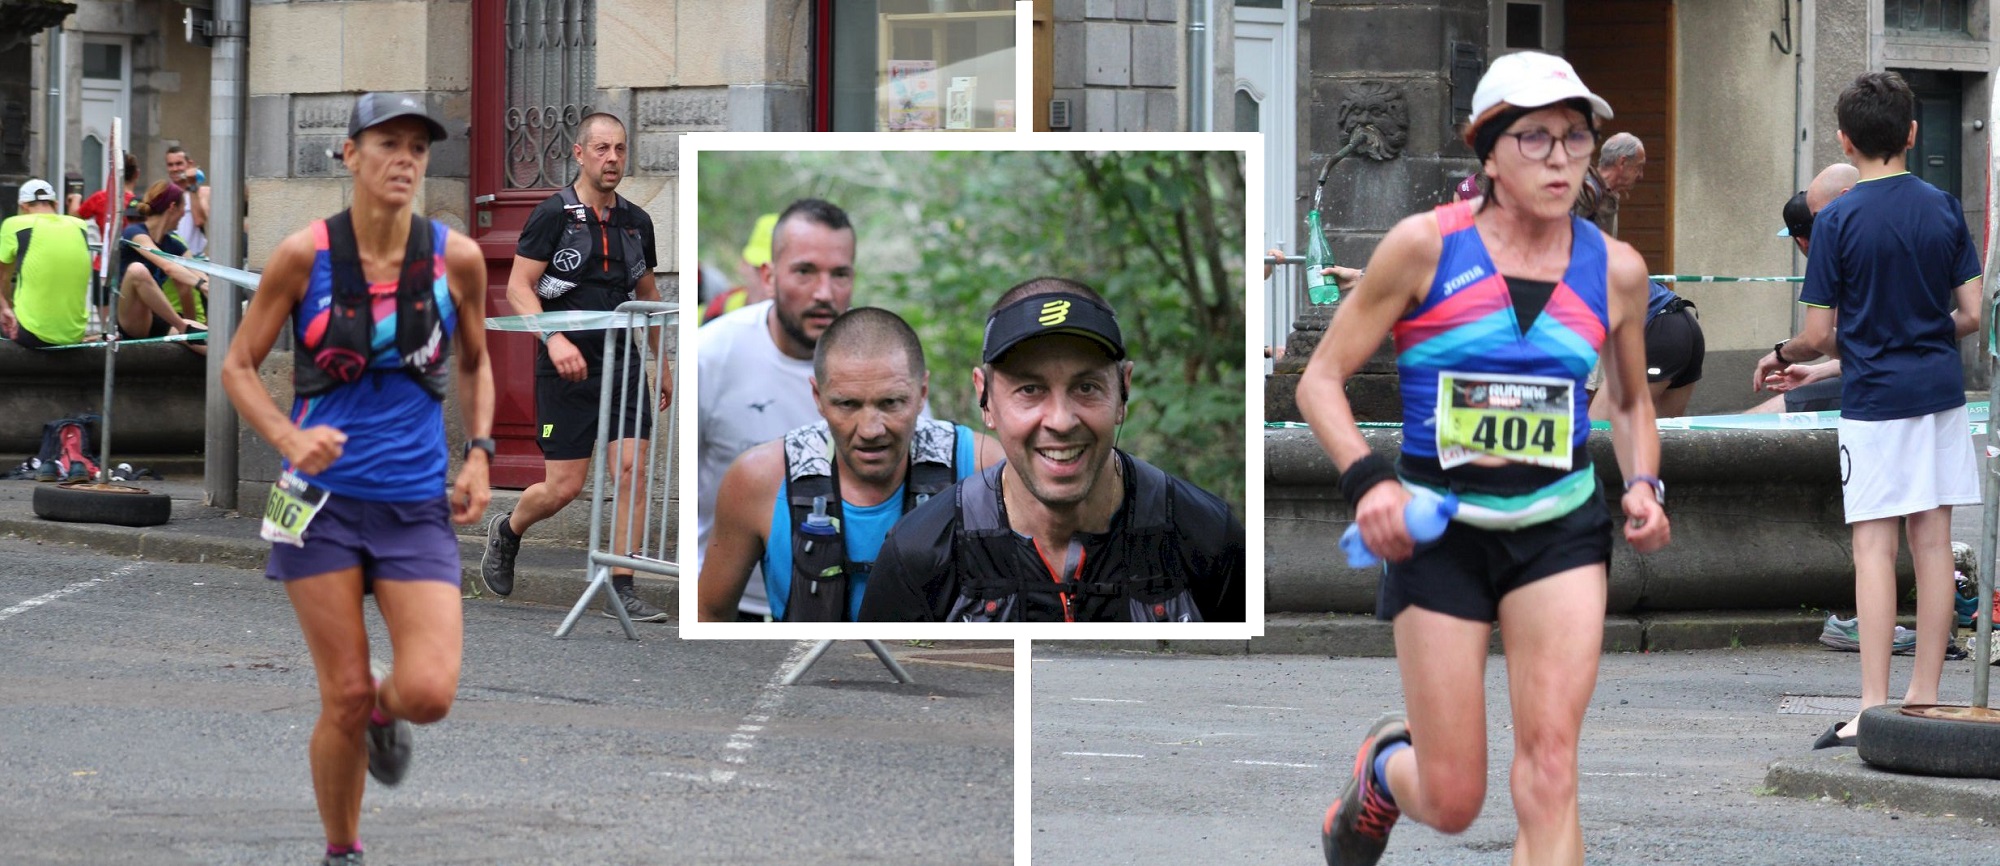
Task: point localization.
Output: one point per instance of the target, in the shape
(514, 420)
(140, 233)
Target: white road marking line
(1108, 700)
(1241, 707)
(1630, 775)
(79, 586)
(1277, 764)
(1100, 755)
(744, 740)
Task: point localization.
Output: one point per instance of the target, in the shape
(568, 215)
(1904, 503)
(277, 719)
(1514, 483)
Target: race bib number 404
(1522, 419)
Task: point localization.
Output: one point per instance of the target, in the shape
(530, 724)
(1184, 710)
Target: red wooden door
(533, 76)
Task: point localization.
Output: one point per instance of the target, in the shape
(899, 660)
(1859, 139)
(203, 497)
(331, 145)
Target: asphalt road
(159, 713)
(1148, 759)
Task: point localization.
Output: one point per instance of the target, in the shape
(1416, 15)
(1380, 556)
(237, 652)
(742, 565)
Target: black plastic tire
(109, 503)
(1890, 740)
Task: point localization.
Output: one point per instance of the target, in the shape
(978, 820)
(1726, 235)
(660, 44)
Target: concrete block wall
(1120, 64)
(1756, 518)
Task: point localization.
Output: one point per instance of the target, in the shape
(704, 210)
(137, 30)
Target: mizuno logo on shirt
(1464, 279)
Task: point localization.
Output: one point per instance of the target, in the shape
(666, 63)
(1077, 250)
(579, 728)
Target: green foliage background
(941, 234)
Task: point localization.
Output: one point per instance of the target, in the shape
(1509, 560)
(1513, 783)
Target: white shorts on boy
(1906, 466)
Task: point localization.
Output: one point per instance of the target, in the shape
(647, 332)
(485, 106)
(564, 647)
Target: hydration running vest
(575, 255)
(822, 575)
(341, 352)
(1133, 573)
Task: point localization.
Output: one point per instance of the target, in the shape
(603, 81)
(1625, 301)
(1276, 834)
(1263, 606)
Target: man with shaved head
(1808, 387)
(811, 509)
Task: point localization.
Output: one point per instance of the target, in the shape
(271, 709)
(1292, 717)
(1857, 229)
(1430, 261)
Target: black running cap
(375, 109)
(1798, 218)
(1049, 314)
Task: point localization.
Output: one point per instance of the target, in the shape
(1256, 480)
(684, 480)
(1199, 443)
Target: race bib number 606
(1522, 419)
(293, 504)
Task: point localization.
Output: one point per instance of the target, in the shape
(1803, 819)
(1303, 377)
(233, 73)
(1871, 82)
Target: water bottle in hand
(1425, 516)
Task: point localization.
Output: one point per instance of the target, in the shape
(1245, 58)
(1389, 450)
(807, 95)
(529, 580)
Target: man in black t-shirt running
(584, 248)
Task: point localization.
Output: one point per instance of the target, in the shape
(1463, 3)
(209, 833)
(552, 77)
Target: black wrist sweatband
(1362, 475)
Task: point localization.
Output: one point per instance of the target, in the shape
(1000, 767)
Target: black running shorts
(1467, 570)
(1674, 348)
(566, 414)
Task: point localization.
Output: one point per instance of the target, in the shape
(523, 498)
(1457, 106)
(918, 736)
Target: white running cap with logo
(37, 190)
(1531, 79)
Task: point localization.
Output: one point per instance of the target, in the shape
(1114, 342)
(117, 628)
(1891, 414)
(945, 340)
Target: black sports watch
(485, 445)
(1778, 351)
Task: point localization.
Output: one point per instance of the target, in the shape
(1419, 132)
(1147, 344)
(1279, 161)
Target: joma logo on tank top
(1464, 279)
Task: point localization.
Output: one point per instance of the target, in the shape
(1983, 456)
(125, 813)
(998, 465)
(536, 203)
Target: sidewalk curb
(556, 587)
(1845, 778)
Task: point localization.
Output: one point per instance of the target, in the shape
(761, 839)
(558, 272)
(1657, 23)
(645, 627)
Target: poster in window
(958, 102)
(913, 95)
(1003, 113)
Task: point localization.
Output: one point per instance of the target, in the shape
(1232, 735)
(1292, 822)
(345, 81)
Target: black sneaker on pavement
(1357, 825)
(636, 608)
(388, 745)
(47, 472)
(352, 858)
(496, 567)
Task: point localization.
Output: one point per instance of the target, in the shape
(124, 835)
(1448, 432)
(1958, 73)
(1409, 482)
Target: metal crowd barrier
(638, 327)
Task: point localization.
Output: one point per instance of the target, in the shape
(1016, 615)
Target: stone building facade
(126, 58)
(510, 85)
(1733, 100)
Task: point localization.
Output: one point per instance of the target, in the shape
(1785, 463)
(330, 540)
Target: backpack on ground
(66, 444)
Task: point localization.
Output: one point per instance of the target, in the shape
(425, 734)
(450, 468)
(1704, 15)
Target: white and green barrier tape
(238, 276)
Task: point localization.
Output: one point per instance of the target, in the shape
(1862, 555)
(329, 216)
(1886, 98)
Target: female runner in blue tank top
(1498, 306)
(363, 505)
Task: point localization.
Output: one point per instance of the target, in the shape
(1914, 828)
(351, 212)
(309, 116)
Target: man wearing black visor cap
(1068, 527)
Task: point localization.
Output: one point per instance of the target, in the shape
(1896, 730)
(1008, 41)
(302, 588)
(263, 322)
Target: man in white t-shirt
(755, 363)
(193, 227)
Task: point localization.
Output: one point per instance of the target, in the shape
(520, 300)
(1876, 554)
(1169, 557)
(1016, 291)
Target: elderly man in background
(1621, 162)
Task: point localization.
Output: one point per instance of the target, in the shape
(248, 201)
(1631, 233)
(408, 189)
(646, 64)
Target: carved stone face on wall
(1373, 103)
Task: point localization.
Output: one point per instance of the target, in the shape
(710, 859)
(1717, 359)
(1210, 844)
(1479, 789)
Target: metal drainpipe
(1200, 77)
(57, 125)
(227, 74)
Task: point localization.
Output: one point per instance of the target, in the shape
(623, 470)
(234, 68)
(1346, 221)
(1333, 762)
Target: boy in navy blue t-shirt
(1894, 259)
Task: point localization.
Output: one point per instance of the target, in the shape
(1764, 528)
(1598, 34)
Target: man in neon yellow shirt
(51, 255)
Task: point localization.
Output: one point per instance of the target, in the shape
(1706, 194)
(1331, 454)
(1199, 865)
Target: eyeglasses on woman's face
(1537, 144)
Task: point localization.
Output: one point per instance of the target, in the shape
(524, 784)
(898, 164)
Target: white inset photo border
(923, 271)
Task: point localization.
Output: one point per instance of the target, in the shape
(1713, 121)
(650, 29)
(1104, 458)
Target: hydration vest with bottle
(822, 575)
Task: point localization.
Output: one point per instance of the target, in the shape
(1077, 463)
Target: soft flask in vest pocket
(820, 577)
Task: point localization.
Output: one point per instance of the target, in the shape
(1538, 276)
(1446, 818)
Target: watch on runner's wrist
(485, 445)
(1653, 481)
(1778, 352)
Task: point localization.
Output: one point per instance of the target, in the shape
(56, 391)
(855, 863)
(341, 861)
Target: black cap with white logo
(374, 109)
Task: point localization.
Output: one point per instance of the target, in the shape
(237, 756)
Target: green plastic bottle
(1320, 286)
